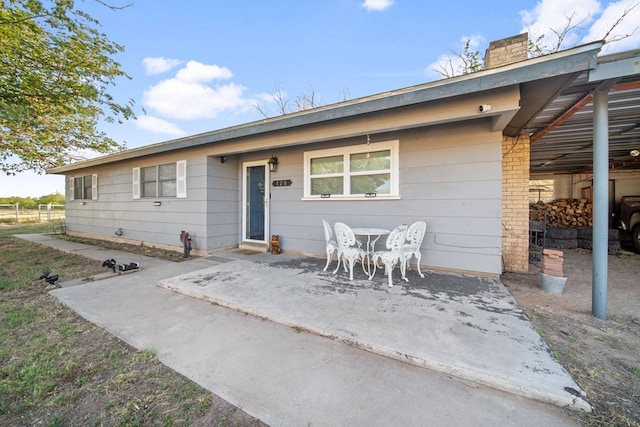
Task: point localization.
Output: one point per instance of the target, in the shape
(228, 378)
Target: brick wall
(515, 203)
(507, 51)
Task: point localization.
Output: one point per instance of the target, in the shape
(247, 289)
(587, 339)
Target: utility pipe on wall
(185, 238)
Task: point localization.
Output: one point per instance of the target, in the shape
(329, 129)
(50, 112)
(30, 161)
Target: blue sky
(201, 65)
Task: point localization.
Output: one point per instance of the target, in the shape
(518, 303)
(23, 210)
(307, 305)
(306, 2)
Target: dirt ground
(603, 356)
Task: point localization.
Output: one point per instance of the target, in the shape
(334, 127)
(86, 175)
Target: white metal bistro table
(373, 235)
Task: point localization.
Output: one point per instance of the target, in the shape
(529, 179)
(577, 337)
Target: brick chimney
(507, 51)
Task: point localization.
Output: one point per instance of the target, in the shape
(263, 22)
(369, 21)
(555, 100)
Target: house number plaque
(281, 183)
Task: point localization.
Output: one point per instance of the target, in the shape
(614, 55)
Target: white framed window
(84, 187)
(355, 172)
(166, 180)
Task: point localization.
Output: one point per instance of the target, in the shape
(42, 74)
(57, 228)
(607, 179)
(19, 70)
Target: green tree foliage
(32, 203)
(55, 199)
(55, 69)
(470, 59)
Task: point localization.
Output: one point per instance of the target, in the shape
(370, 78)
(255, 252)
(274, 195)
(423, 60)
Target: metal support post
(600, 203)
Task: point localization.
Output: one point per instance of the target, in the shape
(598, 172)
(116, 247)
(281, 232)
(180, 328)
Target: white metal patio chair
(331, 244)
(415, 235)
(349, 250)
(393, 255)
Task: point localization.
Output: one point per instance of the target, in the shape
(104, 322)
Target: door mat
(246, 252)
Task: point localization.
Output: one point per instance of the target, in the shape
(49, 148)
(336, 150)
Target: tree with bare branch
(469, 60)
(284, 105)
(460, 63)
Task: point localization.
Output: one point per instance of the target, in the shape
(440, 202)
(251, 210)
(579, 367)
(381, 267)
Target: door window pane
(255, 208)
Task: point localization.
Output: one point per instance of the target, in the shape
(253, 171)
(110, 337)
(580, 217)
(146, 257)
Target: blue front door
(256, 202)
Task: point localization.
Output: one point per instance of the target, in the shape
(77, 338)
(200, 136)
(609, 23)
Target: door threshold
(257, 247)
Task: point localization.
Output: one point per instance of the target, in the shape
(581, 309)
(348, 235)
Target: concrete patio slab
(466, 326)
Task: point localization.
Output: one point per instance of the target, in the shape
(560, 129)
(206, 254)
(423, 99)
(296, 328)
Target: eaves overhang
(570, 61)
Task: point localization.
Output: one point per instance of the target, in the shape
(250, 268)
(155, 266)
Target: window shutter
(181, 179)
(136, 183)
(72, 196)
(94, 186)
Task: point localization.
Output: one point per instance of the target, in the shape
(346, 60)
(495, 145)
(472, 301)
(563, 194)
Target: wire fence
(10, 213)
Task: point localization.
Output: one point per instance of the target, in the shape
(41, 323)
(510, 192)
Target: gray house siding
(224, 195)
(450, 176)
(140, 220)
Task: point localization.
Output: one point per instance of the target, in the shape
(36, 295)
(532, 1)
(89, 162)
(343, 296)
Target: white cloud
(626, 35)
(588, 23)
(377, 4)
(177, 99)
(158, 125)
(159, 65)
(197, 72)
(551, 17)
(188, 96)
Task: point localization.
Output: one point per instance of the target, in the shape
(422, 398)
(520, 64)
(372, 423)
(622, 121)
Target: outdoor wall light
(223, 159)
(157, 203)
(273, 164)
(634, 153)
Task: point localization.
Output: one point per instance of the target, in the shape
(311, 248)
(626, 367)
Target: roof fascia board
(499, 122)
(504, 102)
(615, 69)
(580, 58)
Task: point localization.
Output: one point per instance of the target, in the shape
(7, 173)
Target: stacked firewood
(567, 213)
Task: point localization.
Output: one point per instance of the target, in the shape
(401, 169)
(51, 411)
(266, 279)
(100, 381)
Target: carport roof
(562, 132)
